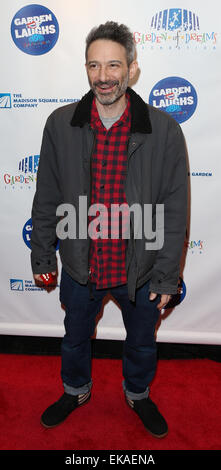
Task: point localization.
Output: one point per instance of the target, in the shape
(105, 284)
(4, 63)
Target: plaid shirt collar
(96, 122)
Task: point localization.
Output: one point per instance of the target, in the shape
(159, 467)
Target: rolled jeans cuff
(135, 396)
(79, 390)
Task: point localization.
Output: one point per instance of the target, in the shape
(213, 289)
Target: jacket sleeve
(173, 195)
(46, 200)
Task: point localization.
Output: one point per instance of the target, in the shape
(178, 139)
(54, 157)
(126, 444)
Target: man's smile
(104, 88)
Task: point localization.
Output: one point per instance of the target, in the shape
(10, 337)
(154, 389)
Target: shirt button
(106, 142)
(104, 163)
(99, 250)
(102, 186)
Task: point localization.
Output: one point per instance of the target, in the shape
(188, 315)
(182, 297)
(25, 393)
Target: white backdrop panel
(48, 80)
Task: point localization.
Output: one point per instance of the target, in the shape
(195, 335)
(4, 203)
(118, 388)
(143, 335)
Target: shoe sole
(60, 422)
(158, 436)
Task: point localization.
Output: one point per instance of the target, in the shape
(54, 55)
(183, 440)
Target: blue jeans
(139, 353)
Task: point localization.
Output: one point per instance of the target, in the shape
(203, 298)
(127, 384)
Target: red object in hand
(48, 278)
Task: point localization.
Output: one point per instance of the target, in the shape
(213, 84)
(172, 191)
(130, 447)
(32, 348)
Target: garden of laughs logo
(175, 95)
(35, 29)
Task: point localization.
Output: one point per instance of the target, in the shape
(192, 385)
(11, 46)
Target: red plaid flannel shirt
(109, 163)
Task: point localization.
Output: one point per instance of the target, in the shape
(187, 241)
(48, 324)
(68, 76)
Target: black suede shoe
(153, 421)
(60, 410)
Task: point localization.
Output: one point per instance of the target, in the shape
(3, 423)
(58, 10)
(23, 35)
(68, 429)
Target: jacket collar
(140, 121)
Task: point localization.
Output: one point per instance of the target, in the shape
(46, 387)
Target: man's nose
(103, 74)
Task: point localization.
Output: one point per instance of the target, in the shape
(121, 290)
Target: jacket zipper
(92, 150)
(131, 225)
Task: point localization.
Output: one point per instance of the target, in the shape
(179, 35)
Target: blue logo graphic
(26, 233)
(29, 164)
(35, 29)
(176, 96)
(16, 284)
(5, 100)
(179, 297)
(174, 19)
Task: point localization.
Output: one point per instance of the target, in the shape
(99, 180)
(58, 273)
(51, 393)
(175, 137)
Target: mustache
(109, 83)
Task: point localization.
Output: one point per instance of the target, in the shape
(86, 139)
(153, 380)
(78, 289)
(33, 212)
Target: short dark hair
(114, 32)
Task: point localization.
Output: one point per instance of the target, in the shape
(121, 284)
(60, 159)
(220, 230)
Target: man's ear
(133, 69)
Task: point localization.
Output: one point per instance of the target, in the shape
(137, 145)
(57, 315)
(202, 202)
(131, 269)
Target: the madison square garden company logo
(175, 28)
(35, 29)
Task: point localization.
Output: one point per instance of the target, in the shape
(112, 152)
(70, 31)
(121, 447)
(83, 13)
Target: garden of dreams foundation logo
(175, 28)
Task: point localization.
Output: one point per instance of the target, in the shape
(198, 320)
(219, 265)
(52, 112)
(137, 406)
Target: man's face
(107, 70)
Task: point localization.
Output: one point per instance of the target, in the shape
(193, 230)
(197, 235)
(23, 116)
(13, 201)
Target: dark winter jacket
(156, 174)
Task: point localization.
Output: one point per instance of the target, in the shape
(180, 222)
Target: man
(112, 148)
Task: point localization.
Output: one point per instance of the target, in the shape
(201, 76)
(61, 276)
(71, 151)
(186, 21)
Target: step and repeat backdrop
(42, 68)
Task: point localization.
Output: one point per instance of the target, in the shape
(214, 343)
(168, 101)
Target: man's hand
(165, 298)
(37, 277)
(47, 283)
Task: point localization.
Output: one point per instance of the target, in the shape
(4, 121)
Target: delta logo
(176, 28)
(26, 176)
(175, 95)
(35, 29)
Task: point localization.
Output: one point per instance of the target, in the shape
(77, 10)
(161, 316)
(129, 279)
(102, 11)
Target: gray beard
(113, 96)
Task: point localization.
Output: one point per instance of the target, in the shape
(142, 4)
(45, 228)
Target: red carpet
(186, 391)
